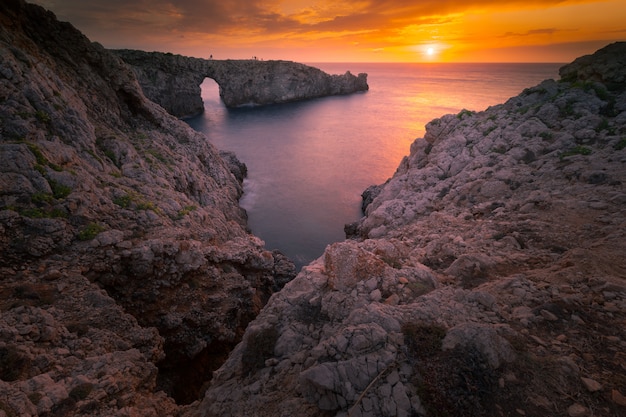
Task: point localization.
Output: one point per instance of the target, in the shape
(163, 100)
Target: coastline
(486, 278)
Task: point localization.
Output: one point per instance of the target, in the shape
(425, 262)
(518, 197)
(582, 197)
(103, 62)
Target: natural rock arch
(210, 90)
(173, 81)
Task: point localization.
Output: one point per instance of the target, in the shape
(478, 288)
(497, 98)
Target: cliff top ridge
(173, 81)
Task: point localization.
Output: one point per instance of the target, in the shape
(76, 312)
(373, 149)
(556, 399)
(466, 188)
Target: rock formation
(125, 264)
(487, 277)
(173, 81)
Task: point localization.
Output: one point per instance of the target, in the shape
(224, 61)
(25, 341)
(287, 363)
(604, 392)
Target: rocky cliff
(126, 270)
(173, 81)
(487, 277)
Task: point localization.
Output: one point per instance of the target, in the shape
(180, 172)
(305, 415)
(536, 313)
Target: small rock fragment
(548, 316)
(618, 398)
(538, 340)
(577, 410)
(591, 384)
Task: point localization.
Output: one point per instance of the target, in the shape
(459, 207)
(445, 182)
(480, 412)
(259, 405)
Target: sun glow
(355, 30)
(429, 52)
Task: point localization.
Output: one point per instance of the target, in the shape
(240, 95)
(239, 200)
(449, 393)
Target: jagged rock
(102, 190)
(591, 384)
(606, 67)
(486, 339)
(577, 410)
(480, 247)
(173, 81)
(369, 195)
(67, 345)
(237, 168)
(618, 398)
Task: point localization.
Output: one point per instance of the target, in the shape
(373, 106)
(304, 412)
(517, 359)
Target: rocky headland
(173, 81)
(486, 278)
(127, 272)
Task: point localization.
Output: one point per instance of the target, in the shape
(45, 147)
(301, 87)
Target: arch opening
(210, 92)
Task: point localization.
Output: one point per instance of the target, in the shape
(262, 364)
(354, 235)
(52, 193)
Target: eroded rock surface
(173, 81)
(126, 270)
(487, 277)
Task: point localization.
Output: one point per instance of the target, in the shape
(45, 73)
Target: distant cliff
(173, 81)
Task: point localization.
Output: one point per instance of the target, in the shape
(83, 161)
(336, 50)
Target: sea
(308, 162)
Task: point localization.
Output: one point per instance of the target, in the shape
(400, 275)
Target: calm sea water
(309, 162)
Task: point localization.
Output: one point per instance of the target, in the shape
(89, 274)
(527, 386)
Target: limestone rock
(618, 398)
(495, 348)
(605, 67)
(577, 410)
(173, 81)
(125, 262)
(591, 384)
(471, 267)
(489, 269)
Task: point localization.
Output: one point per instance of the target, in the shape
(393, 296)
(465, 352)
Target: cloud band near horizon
(358, 30)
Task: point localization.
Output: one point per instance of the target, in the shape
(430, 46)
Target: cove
(298, 197)
(308, 162)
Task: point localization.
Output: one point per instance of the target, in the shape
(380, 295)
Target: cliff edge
(487, 277)
(126, 268)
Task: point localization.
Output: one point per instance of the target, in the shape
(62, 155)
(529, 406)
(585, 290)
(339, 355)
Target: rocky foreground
(487, 277)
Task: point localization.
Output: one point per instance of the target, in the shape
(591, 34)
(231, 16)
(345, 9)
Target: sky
(353, 31)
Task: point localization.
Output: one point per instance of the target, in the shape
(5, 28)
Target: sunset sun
(354, 31)
(430, 52)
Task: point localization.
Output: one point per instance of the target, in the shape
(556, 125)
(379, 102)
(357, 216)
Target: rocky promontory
(173, 81)
(487, 277)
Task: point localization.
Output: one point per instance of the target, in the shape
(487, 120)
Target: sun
(431, 51)
(428, 52)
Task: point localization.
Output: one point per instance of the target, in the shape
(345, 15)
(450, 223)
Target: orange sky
(353, 31)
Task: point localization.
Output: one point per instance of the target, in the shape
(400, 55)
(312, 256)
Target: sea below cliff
(310, 161)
